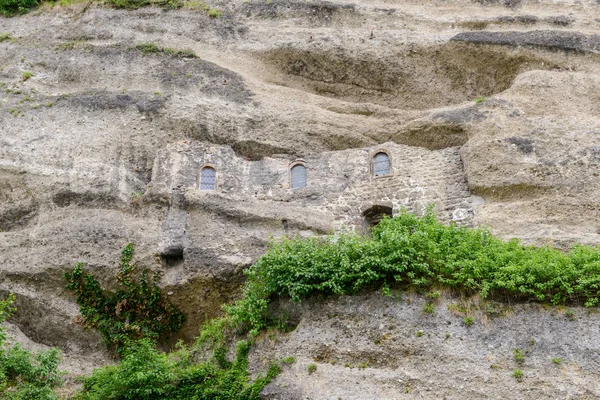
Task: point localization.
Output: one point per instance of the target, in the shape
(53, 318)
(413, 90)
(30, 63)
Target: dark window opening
(172, 257)
(376, 213)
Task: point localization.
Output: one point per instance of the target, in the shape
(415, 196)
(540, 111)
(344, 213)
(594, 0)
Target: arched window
(208, 178)
(298, 173)
(381, 164)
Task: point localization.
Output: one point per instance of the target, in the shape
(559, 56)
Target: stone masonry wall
(340, 184)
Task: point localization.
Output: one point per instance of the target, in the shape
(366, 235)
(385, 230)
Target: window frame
(293, 164)
(199, 177)
(372, 164)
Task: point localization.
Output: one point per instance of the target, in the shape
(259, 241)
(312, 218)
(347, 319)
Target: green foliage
(152, 48)
(570, 315)
(519, 356)
(312, 368)
(468, 321)
(6, 310)
(214, 13)
(136, 310)
(144, 373)
(518, 374)
(15, 7)
(479, 100)
(5, 36)
(417, 252)
(148, 374)
(557, 360)
(26, 75)
(23, 375)
(429, 308)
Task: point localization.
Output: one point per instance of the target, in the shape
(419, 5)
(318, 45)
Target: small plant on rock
(429, 308)
(468, 321)
(519, 356)
(26, 75)
(557, 360)
(312, 368)
(518, 374)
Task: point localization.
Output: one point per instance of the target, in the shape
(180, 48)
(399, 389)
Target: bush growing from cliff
(417, 252)
(134, 311)
(148, 374)
(15, 7)
(23, 375)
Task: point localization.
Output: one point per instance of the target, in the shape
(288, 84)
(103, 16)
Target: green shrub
(468, 321)
(148, 374)
(144, 373)
(557, 360)
(417, 252)
(312, 368)
(23, 375)
(136, 310)
(14, 7)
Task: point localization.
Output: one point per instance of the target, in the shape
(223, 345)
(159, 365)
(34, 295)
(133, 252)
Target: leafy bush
(136, 310)
(26, 376)
(147, 374)
(417, 252)
(14, 7)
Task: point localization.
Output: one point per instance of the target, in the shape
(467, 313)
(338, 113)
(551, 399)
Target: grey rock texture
(488, 109)
(373, 347)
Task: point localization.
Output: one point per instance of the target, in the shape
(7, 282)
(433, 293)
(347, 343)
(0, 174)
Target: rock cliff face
(490, 110)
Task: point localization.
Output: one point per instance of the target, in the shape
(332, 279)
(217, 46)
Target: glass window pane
(381, 164)
(208, 178)
(298, 176)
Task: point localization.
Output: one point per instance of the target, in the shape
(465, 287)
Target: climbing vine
(134, 311)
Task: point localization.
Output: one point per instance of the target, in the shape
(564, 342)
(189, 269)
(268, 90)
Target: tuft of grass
(519, 356)
(557, 360)
(5, 36)
(312, 368)
(74, 44)
(26, 75)
(518, 374)
(468, 321)
(288, 360)
(214, 13)
(429, 308)
(152, 48)
(479, 100)
(420, 333)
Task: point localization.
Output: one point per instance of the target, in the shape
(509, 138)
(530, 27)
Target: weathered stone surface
(553, 40)
(102, 145)
(369, 347)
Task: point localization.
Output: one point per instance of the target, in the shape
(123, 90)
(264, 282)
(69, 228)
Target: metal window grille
(298, 176)
(381, 164)
(208, 178)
